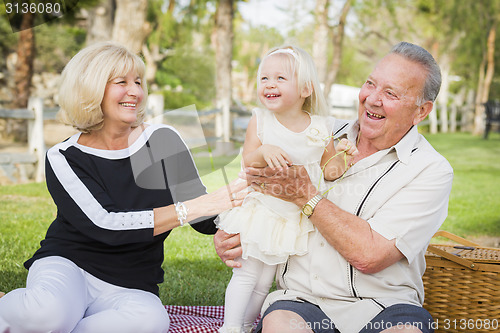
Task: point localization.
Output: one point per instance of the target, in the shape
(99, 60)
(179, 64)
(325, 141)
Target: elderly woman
(120, 186)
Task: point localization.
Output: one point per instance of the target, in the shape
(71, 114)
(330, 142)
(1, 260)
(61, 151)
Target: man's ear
(422, 112)
(306, 91)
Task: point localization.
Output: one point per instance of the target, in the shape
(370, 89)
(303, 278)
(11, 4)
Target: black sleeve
(167, 150)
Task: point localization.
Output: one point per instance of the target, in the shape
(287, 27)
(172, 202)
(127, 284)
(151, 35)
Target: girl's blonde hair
(301, 64)
(84, 79)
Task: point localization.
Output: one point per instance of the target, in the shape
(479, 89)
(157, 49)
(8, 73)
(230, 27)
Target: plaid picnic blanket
(196, 319)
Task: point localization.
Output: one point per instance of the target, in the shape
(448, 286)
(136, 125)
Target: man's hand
(292, 184)
(228, 248)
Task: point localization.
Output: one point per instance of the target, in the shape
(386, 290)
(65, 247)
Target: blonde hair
(302, 65)
(84, 79)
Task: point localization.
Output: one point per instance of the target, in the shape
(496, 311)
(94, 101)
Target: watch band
(308, 208)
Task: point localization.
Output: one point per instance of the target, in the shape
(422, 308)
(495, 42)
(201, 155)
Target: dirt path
(486, 241)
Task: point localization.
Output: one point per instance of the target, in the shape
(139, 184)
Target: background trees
(193, 58)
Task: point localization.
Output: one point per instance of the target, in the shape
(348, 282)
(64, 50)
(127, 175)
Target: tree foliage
(8, 40)
(463, 27)
(187, 78)
(55, 45)
(250, 45)
(181, 33)
(185, 73)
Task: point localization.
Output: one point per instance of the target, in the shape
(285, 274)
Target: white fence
(14, 165)
(196, 127)
(19, 167)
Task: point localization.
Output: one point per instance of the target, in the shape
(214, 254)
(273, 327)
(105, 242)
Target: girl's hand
(275, 157)
(335, 161)
(348, 147)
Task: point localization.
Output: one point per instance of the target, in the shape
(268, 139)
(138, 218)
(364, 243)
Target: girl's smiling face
(278, 89)
(122, 97)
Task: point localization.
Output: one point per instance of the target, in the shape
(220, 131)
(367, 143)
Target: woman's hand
(197, 209)
(214, 203)
(228, 248)
(292, 184)
(226, 197)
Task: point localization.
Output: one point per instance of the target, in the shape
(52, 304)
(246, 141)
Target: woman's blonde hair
(301, 64)
(84, 79)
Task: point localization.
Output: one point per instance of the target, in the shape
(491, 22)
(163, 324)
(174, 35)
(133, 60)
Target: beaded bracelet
(182, 212)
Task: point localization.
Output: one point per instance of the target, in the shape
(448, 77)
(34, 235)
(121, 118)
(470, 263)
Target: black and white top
(105, 201)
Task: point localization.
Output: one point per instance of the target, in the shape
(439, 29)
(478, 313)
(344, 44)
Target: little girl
(293, 130)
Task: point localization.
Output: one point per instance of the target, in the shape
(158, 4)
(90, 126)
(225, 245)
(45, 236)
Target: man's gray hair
(420, 55)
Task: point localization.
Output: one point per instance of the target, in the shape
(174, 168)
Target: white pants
(246, 293)
(61, 297)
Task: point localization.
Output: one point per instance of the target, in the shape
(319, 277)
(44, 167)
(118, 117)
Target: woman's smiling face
(121, 99)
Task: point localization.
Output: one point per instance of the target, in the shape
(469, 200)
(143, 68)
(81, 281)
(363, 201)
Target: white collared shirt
(402, 192)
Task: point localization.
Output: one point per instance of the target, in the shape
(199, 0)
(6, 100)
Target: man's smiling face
(388, 100)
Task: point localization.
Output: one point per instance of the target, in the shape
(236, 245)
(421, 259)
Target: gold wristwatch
(308, 208)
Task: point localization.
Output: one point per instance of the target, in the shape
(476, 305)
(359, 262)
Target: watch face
(307, 210)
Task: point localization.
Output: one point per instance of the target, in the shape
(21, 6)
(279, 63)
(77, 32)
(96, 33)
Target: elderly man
(363, 271)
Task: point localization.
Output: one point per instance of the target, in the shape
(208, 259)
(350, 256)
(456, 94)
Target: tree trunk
(467, 122)
(338, 38)
(247, 80)
(433, 122)
(151, 50)
(485, 80)
(130, 26)
(100, 22)
(457, 103)
(171, 6)
(444, 93)
(25, 58)
(223, 56)
(17, 129)
(321, 39)
(478, 108)
(152, 58)
(490, 69)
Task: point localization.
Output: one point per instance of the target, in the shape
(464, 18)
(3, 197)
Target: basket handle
(453, 237)
(449, 256)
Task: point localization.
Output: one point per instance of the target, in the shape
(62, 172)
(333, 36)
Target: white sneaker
(225, 329)
(248, 329)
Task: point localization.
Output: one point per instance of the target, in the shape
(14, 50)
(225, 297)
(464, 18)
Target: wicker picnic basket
(462, 286)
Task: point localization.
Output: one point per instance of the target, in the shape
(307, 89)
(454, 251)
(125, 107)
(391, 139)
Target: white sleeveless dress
(272, 229)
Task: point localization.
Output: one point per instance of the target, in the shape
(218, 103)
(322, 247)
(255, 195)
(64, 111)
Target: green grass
(193, 272)
(474, 208)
